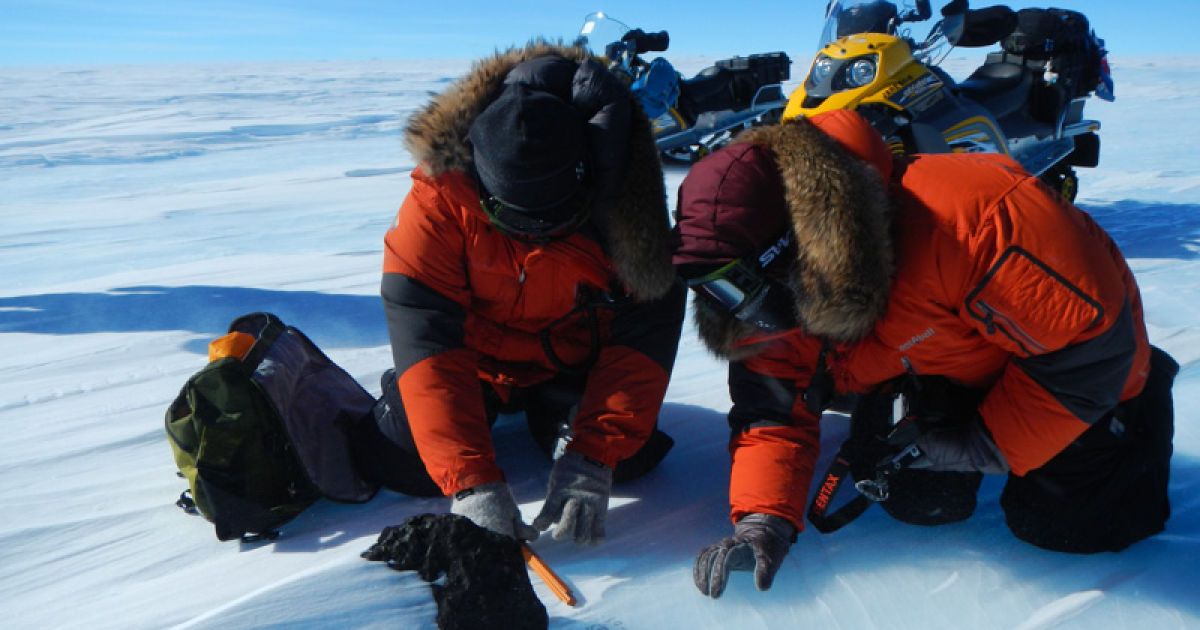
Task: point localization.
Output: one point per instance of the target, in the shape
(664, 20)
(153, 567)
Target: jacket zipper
(992, 317)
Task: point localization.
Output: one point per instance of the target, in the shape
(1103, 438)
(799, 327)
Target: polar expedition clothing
(956, 266)
(583, 326)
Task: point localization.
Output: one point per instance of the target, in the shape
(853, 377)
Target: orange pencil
(556, 584)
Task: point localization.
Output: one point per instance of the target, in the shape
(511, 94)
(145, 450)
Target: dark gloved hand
(576, 499)
(965, 447)
(759, 543)
(492, 506)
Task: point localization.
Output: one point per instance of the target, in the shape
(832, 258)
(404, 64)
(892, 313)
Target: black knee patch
(1108, 489)
(382, 447)
(645, 459)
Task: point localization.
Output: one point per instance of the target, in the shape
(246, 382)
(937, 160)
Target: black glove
(943, 424)
(759, 542)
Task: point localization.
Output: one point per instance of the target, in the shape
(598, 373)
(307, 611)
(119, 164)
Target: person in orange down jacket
(528, 269)
(823, 266)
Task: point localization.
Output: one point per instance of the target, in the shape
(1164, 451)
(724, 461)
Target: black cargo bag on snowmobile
(1064, 40)
(261, 432)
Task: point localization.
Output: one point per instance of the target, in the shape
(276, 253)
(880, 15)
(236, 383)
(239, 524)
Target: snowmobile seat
(712, 89)
(732, 84)
(1002, 88)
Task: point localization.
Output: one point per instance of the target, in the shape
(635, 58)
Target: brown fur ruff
(844, 258)
(635, 224)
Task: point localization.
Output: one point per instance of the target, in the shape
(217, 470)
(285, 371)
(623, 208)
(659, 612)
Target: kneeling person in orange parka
(528, 270)
(824, 266)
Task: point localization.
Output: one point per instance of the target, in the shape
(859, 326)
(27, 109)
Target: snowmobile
(691, 117)
(1026, 100)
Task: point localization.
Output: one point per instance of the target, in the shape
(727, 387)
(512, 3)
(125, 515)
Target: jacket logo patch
(916, 339)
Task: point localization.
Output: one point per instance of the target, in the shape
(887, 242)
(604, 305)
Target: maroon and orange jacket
(467, 303)
(956, 265)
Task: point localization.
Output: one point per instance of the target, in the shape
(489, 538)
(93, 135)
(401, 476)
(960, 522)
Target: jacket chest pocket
(1027, 307)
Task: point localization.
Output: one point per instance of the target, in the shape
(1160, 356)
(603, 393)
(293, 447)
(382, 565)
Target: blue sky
(35, 32)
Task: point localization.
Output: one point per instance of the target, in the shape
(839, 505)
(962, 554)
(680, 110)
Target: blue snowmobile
(695, 116)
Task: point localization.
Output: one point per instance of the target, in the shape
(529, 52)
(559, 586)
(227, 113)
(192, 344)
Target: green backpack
(262, 433)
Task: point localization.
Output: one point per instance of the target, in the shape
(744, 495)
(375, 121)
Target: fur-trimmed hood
(631, 216)
(834, 172)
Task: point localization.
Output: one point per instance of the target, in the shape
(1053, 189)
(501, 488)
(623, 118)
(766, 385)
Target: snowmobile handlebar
(955, 7)
(644, 42)
(922, 12)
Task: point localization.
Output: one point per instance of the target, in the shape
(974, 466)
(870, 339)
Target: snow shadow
(330, 319)
(329, 524)
(1151, 230)
(691, 486)
(644, 532)
(646, 539)
(643, 518)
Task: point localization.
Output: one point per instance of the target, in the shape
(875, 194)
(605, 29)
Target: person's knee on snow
(383, 449)
(1109, 489)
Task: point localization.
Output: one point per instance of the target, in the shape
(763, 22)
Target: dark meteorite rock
(486, 586)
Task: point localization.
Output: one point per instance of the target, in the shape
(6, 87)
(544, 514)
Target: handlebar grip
(655, 42)
(644, 42)
(955, 7)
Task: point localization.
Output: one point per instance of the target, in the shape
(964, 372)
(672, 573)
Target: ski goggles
(741, 288)
(544, 223)
(517, 222)
(735, 287)
(747, 295)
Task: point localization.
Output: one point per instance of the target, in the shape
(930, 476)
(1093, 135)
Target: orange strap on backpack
(234, 344)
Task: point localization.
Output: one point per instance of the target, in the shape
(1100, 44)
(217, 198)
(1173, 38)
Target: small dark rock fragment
(486, 585)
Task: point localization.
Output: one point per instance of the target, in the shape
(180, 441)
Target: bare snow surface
(142, 208)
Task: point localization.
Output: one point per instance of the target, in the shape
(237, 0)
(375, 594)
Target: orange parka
(960, 266)
(466, 303)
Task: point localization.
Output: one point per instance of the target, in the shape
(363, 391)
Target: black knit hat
(529, 149)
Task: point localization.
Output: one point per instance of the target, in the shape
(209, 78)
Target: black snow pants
(1104, 492)
(384, 450)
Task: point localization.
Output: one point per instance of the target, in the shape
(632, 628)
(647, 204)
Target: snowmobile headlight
(861, 72)
(822, 68)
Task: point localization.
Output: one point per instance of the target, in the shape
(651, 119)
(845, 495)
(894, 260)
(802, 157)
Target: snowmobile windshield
(848, 17)
(599, 30)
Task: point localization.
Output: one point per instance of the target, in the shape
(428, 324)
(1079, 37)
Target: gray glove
(577, 499)
(759, 543)
(492, 506)
(964, 448)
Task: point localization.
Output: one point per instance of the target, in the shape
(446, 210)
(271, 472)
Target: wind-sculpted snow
(114, 147)
(110, 116)
(143, 208)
